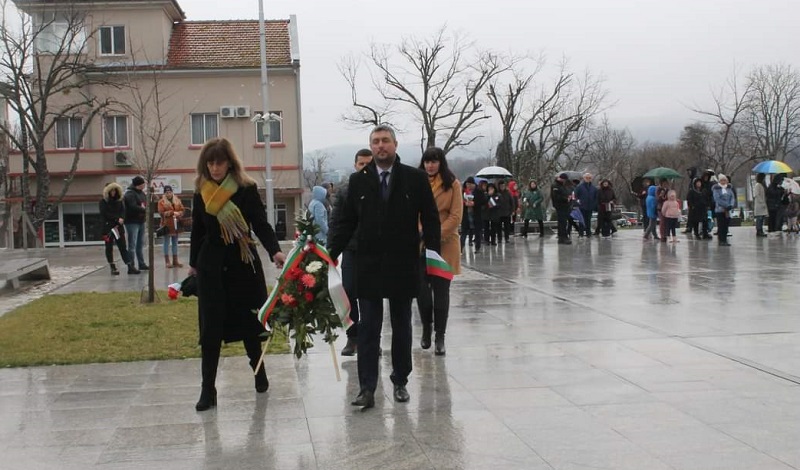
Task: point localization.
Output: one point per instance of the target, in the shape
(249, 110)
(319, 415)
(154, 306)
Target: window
(115, 131)
(57, 32)
(67, 132)
(112, 40)
(275, 129)
(204, 127)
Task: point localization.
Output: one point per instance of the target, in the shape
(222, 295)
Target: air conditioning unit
(227, 112)
(243, 111)
(122, 158)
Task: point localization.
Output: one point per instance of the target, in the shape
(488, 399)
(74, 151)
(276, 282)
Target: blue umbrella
(772, 166)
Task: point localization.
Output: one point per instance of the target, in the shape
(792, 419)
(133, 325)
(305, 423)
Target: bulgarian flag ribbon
(335, 286)
(435, 265)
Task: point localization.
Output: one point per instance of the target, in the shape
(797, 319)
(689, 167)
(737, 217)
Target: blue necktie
(384, 185)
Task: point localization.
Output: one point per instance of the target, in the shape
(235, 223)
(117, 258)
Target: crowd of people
(383, 222)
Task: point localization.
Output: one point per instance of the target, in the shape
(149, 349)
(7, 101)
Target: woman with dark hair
(697, 199)
(434, 296)
(532, 208)
(607, 199)
(760, 204)
(230, 278)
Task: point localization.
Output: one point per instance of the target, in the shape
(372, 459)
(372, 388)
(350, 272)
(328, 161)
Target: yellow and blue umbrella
(772, 166)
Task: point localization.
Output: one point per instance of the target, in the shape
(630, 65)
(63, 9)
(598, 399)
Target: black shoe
(724, 244)
(143, 267)
(262, 382)
(365, 399)
(114, 270)
(439, 348)
(350, 348)
(425, 342)
(400, 393)
(132, 269)
(208, 398)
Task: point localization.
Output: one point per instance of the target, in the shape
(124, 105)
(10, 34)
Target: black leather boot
(439, 348)
(114, 270)
(262, 382)
(132, 269)
(425, 342)
(208, 367)
(208, 398)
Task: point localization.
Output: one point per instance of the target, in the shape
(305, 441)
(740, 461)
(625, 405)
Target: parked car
(628, 219)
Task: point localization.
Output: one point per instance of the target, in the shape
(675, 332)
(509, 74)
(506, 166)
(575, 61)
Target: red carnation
(309, 297)
(308, 280)
(294, 273)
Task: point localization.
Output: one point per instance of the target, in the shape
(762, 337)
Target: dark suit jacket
(388, 233)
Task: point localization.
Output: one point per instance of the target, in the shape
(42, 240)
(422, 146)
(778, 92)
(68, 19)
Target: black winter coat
(336, 215)
(698, 205)
(388, 256)
(559, 196)
(135, 206)
(476, 211)
(228, 289)
(112, 209)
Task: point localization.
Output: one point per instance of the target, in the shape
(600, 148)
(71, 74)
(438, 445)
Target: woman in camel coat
(434, 297)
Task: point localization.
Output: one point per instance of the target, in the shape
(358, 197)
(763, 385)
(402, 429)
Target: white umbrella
(493, 172)
(792, 185)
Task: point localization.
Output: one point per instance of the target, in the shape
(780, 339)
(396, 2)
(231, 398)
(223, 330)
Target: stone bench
(15, 270)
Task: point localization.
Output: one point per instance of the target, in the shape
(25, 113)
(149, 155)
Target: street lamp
(266, 117)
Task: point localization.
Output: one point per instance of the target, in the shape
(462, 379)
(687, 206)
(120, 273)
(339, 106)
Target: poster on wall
(157, 184)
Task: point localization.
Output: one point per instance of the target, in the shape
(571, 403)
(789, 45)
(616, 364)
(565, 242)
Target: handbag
(161, 231)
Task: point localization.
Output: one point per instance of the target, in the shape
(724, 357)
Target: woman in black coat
(112, 210)
(697, 200)
(774, 197)
(230, 278)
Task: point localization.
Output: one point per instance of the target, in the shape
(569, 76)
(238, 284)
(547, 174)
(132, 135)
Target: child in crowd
(671, 211)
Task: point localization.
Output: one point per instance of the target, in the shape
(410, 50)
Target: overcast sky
(658, 57)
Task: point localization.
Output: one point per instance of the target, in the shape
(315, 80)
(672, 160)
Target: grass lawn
(109, 327)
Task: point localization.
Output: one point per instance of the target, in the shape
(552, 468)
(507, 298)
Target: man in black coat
(561, 197)
(362, 159)
(386, 201)
(135, 209)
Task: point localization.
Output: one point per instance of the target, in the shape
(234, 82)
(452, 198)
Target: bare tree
(363, 113)
(507, 99)
(441, 80)
(773, 109)
(727, 145)
(316, 165)
(555, 122)
(156, 132)
(43, 63)
(610, 152)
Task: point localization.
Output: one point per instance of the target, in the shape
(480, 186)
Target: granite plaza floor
(606, 354)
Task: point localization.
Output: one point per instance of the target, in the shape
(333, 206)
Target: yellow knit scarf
(232, 225)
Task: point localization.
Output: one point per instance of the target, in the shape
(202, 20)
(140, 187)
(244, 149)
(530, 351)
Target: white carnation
(313, 267)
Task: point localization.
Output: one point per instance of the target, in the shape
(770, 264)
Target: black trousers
(210, 359)
(587, 222)
(525, 227)
(772, 219)
(433, 301)
(369, 338)
(121, 245)
(474, 230)
(563, 223)
(506, 229)
(723, 222)
(349, 283)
